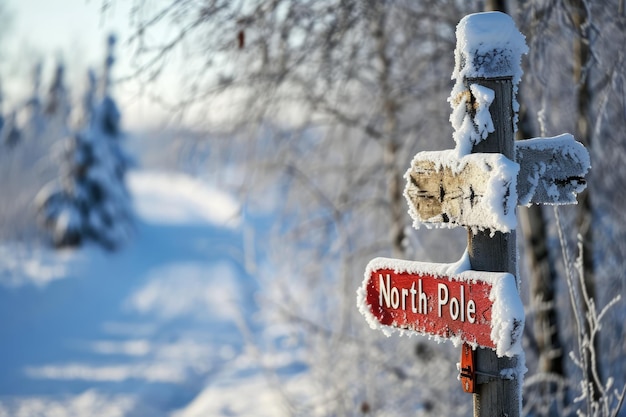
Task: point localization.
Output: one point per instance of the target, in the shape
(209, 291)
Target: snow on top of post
(488, 45)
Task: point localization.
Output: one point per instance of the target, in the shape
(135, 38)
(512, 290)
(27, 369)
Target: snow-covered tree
(93, 203)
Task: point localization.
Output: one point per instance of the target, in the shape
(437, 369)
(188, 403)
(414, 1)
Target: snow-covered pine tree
(93, 203)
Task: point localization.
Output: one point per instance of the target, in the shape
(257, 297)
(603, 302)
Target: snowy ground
(161, 328)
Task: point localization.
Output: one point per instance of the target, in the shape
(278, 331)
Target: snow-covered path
(156, 329)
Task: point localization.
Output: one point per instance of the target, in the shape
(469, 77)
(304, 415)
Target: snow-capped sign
(476, 190)
(488, 45)
(480, 308)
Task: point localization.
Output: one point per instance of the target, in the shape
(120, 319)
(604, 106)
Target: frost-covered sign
(436, 300)
(482, 190)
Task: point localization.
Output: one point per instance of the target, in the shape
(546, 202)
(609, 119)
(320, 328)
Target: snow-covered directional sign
(552, 170)
(481, 190)
(479, 308)
(474, 190)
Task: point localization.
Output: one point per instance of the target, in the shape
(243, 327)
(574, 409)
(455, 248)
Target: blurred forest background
(310, 111)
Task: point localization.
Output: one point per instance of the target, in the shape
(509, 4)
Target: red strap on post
(468, 369)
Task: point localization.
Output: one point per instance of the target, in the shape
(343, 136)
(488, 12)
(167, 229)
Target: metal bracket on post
(471, 377)
(485, 377)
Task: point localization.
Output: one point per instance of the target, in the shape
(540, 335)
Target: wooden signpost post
(477, 185)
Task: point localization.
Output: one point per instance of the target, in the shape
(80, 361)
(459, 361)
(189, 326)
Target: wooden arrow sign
(481, 190)
(476, 190)
(552, 170)
(480, 308)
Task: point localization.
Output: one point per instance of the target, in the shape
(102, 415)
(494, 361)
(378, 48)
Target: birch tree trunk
(584, 220)
(543, 276)
(390, 135)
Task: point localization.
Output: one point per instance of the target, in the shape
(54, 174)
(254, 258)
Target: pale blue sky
(75, 30)
(58, 24)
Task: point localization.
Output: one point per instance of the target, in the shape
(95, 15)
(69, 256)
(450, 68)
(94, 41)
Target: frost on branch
(600, 397)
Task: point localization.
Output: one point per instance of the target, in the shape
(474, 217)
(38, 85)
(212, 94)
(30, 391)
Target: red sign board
(422, 298)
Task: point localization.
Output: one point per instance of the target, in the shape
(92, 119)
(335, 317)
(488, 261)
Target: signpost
(477, 185)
